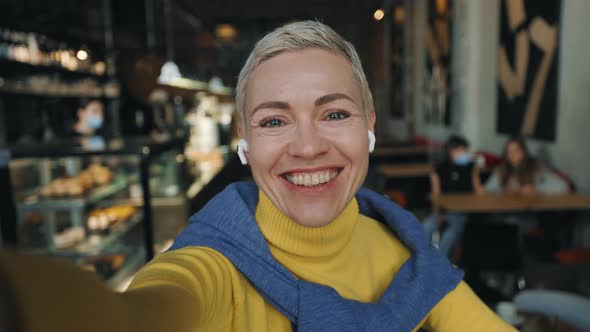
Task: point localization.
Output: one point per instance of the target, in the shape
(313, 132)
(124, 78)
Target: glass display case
(93, 204)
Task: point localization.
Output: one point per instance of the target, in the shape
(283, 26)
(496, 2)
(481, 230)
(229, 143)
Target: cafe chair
(492, 260)
(567, 307)
(490, 246)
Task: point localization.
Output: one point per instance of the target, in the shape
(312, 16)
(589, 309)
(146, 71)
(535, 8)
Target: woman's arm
(550, 183)
(434, 191)
(52, 295)
(462, 310)
(476, 180)
(493, 184)
(434, 184)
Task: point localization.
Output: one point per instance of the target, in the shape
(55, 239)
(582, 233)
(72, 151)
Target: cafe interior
(118, 122)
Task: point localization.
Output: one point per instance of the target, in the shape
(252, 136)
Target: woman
(520, 173)
(300, 249)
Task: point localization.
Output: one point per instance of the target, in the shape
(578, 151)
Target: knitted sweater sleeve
(49, 295)
(462, 310)
(201, 272)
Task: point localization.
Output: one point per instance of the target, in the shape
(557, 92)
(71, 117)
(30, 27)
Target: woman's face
(307, 134)
(514, 154)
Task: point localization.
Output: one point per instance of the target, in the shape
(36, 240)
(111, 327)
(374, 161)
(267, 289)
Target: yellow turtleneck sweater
(198, 289)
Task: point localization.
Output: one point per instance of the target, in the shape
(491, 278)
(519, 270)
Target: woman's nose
(307, 142)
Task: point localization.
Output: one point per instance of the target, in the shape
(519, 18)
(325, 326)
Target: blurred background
(117, 122)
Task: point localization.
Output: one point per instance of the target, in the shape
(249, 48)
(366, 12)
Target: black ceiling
(81, 22)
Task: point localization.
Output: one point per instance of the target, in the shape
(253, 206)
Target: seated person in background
(90, 119)
(457, 174)
(520, 173)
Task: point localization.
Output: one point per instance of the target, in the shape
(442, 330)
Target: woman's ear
(372, 119)
(371, 124)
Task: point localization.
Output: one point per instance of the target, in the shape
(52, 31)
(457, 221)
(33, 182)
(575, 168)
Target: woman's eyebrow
(271, 104)
(318, 102)
(331, 97)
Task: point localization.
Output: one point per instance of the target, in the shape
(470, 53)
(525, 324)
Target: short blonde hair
(295, 37)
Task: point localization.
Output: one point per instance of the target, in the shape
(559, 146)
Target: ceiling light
(82, 55)
(378, 15)
(226, 31)
(399, 14)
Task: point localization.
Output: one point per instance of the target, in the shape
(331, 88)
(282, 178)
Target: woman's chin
(318, 215)
(314, 205)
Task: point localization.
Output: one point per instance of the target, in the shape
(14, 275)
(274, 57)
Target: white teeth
(315, 179)
(307, 181)
(311, 179)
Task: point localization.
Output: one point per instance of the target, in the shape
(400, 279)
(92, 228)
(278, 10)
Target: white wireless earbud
(371, 141)
(242, 146)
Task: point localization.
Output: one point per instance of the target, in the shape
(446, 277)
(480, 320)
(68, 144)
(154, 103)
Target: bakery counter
(94, 205)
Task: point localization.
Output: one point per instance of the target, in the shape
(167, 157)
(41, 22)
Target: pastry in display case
(103, 220)
(78, 215)
(89, 206)
(105, 265)
(94, 176)
(69, 237)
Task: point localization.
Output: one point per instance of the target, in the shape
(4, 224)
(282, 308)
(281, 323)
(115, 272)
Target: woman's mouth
(312, 179)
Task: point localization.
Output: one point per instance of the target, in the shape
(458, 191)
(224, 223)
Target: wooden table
(405, 170)
(496, 247)
(401, 154)
(471, 203)
(385, 151)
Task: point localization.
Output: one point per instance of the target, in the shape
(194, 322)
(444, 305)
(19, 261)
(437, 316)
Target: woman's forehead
(514, 146)
(310, 72)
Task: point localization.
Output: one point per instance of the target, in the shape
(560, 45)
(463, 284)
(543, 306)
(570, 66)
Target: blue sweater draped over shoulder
(227, 225)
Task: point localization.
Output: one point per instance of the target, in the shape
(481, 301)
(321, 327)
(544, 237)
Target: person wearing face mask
(89, 124)
(456, 174)
(303, 248)
(90, 118)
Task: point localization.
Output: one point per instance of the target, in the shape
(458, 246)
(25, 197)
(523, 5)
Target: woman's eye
(337, 116)
(272, 123)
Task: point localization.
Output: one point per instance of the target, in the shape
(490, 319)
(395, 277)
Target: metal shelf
(90, 247)
(132, 264)
(141, 146)
(145, 149)
(106, 241)
(32, 93)
(34, 201)
(42, 68)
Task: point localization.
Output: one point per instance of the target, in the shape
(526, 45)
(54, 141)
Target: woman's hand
(528, 189)
(480, 191)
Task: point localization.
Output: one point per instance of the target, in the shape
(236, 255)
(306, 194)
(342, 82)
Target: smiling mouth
(312, 179)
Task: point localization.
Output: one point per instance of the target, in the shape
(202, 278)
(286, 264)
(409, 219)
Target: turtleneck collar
(285, 234)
